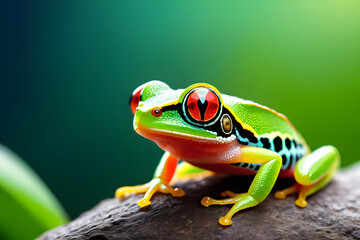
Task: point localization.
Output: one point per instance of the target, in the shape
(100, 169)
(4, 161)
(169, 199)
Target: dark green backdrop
(68, 68)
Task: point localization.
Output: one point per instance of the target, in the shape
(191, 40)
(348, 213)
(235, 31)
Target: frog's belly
(235, 170)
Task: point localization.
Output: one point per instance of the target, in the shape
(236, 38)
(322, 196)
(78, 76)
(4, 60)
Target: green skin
(218, 150)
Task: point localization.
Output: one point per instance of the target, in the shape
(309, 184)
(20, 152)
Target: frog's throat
(190, 148)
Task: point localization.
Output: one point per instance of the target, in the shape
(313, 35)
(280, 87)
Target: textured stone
(332, 213)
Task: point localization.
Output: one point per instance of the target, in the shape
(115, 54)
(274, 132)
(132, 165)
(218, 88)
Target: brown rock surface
(332, 213)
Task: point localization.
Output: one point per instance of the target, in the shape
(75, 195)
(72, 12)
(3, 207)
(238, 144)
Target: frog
(203, 131)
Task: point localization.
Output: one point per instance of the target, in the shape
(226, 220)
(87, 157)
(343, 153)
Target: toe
(229, 194)
(206, 201)
(177, 192)
(280, 195)
(301, 202)
(120, 193)
(225, 221)
(144, 202)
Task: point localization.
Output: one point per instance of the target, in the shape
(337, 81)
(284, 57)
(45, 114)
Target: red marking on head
(135, 98)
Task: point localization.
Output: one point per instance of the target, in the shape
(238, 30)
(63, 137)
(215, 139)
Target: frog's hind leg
(260, 187)
(312, 173)
(186, 171)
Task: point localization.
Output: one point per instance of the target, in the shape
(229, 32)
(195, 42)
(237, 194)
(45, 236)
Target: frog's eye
(156, 112)
(226, 124)
(201, 105)
(135, 98)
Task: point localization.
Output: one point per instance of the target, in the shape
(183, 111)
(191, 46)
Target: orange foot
(296, 188)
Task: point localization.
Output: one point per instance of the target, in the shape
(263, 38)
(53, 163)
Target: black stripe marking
(278, 144)
(294, 142)
(265, 142)
(288, 143)
(284, 159)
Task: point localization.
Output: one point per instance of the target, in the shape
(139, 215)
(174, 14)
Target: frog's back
(260, 126)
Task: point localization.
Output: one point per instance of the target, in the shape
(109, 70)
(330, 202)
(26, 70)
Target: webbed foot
(302, 190)
(240, 201)
(155, 185)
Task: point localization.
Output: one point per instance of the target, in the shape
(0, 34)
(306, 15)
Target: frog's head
(196, 113)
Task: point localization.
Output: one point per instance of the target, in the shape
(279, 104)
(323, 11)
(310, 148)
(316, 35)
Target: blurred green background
(68, 68)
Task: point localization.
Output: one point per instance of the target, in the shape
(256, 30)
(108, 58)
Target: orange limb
(160, 183)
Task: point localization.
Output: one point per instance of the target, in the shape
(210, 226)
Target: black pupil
(157, 111)
(202, 108)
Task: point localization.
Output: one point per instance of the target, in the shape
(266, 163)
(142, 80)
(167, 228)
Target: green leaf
(27, 207)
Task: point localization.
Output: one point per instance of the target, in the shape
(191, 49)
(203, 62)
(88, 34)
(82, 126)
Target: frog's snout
(138, 118)
(136, 122)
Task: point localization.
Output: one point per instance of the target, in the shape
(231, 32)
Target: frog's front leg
(312, 173)
(260, 187)
(160, 183)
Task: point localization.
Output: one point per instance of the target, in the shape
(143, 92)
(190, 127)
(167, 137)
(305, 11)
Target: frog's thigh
(260, 187)
(312, 173)
(186, 171)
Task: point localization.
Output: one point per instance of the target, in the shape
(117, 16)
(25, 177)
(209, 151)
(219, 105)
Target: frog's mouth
(170, 133)
(163, 133)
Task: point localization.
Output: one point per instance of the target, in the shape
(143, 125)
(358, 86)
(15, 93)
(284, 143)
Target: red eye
(202, 104)
(156, 112)
(135, 98)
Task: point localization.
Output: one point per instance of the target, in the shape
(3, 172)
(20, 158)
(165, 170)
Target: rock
(332, 213)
